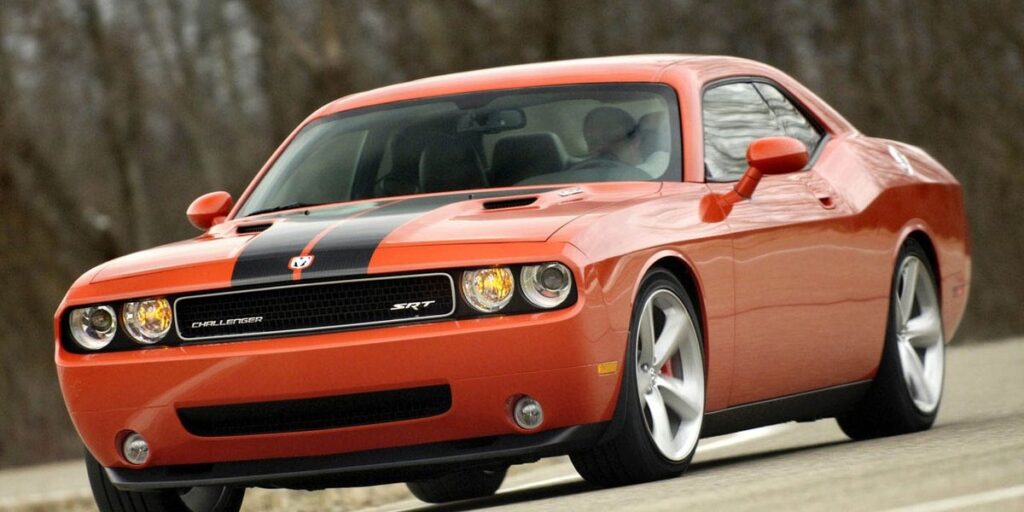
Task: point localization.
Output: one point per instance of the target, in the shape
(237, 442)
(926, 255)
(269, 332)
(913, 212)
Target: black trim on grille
(306, 307)
(316, 413)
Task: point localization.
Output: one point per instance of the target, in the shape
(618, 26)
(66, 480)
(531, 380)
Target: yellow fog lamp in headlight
(147, 321)
(488, 289)
(93, 328)
(546, 285)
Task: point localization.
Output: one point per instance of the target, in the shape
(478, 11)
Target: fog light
(135, 449)
(528, 413)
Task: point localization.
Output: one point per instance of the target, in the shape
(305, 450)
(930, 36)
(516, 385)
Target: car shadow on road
(510, 498)
(571, 488)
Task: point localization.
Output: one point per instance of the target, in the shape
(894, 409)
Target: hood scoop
(515, 202)
(253, 228)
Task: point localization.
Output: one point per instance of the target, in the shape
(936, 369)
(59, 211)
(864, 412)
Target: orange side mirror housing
(210, 209)
(768, 155)
(771, 155)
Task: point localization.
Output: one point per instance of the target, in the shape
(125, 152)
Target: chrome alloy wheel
(919, 336)
(670, 375)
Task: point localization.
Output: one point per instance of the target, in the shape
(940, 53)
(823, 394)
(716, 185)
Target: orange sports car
(607, 258)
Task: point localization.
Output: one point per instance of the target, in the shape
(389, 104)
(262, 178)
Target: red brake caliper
(667, 369)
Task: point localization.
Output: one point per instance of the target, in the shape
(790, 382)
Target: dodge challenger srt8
(607, 258)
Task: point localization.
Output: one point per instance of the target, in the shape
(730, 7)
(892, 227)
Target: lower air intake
(316, 413)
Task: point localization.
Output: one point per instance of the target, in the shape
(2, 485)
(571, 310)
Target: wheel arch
(677, 264)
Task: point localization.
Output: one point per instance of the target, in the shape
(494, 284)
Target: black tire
(204, 499)
(461, 485)
(631, 456)
(888, 409)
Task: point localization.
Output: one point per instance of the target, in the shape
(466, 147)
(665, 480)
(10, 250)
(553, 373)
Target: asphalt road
(973, 459)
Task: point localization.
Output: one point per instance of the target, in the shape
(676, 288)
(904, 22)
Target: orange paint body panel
(792, 288)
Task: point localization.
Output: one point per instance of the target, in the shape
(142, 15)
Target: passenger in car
(652, 133)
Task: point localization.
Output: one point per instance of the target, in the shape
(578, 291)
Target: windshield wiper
(289, 206)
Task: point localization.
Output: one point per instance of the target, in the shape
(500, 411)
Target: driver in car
(609, 132)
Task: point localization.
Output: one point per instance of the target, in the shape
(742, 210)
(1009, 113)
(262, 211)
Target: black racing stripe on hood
(265, 258)
(347, 249)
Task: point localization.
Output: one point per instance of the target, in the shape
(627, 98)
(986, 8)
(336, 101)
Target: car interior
(439, 146)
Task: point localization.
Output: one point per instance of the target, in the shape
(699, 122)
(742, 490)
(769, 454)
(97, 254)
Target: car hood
(341, 239)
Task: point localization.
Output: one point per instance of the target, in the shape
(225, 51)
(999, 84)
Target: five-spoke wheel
(661, 405)
(919, 334)
(670, 375)
(907, 389)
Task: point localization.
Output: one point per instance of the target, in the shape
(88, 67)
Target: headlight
(147, 321)
(546, 285)
(488, 289)
(93, 328)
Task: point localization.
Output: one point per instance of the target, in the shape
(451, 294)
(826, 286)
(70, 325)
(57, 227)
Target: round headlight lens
(93, 328)
(546, 285)
(488, 289)
(147, 321)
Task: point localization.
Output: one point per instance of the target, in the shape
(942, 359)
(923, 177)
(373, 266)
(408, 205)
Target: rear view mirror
(494, 121)
(210, 209)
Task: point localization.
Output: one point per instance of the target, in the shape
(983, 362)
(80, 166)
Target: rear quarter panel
(930, 201)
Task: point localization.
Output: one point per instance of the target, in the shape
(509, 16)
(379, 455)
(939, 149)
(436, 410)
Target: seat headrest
(449, 163)
(519, 157)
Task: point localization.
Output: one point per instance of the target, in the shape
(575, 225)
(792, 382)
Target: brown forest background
(115, 114)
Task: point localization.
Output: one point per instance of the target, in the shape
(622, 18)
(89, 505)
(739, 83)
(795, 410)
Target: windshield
(549, 135)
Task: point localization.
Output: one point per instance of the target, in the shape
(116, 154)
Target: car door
(794, 257)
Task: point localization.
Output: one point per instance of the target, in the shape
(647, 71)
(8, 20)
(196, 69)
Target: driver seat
(449, 163)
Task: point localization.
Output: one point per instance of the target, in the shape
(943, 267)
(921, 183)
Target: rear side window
(737, 113)
(734, 115)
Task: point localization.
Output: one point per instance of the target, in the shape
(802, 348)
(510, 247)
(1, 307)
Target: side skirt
(809, 406)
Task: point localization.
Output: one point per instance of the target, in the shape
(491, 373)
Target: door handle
(826, 201)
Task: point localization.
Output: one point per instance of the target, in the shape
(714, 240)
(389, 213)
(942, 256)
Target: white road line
(720, 442)
(562, 479)
(967, 500)
(716, 443)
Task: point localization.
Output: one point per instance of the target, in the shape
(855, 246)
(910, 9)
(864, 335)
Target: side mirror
(768, 155)
(771, 155)
(210, 209)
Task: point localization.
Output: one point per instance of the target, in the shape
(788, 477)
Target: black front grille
(311, 307)
(316, 413)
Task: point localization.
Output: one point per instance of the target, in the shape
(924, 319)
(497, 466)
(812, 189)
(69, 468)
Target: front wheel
(196, 499)
(906, 392)
(663, 387)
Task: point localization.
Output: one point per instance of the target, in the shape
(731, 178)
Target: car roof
(632, 68)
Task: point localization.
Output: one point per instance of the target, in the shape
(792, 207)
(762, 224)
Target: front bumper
(373, 467)
(553, 357)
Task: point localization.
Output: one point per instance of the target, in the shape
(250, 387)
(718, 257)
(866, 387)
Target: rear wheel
(907, 390)
(663, 387)
(461, 485)
(194, 499)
